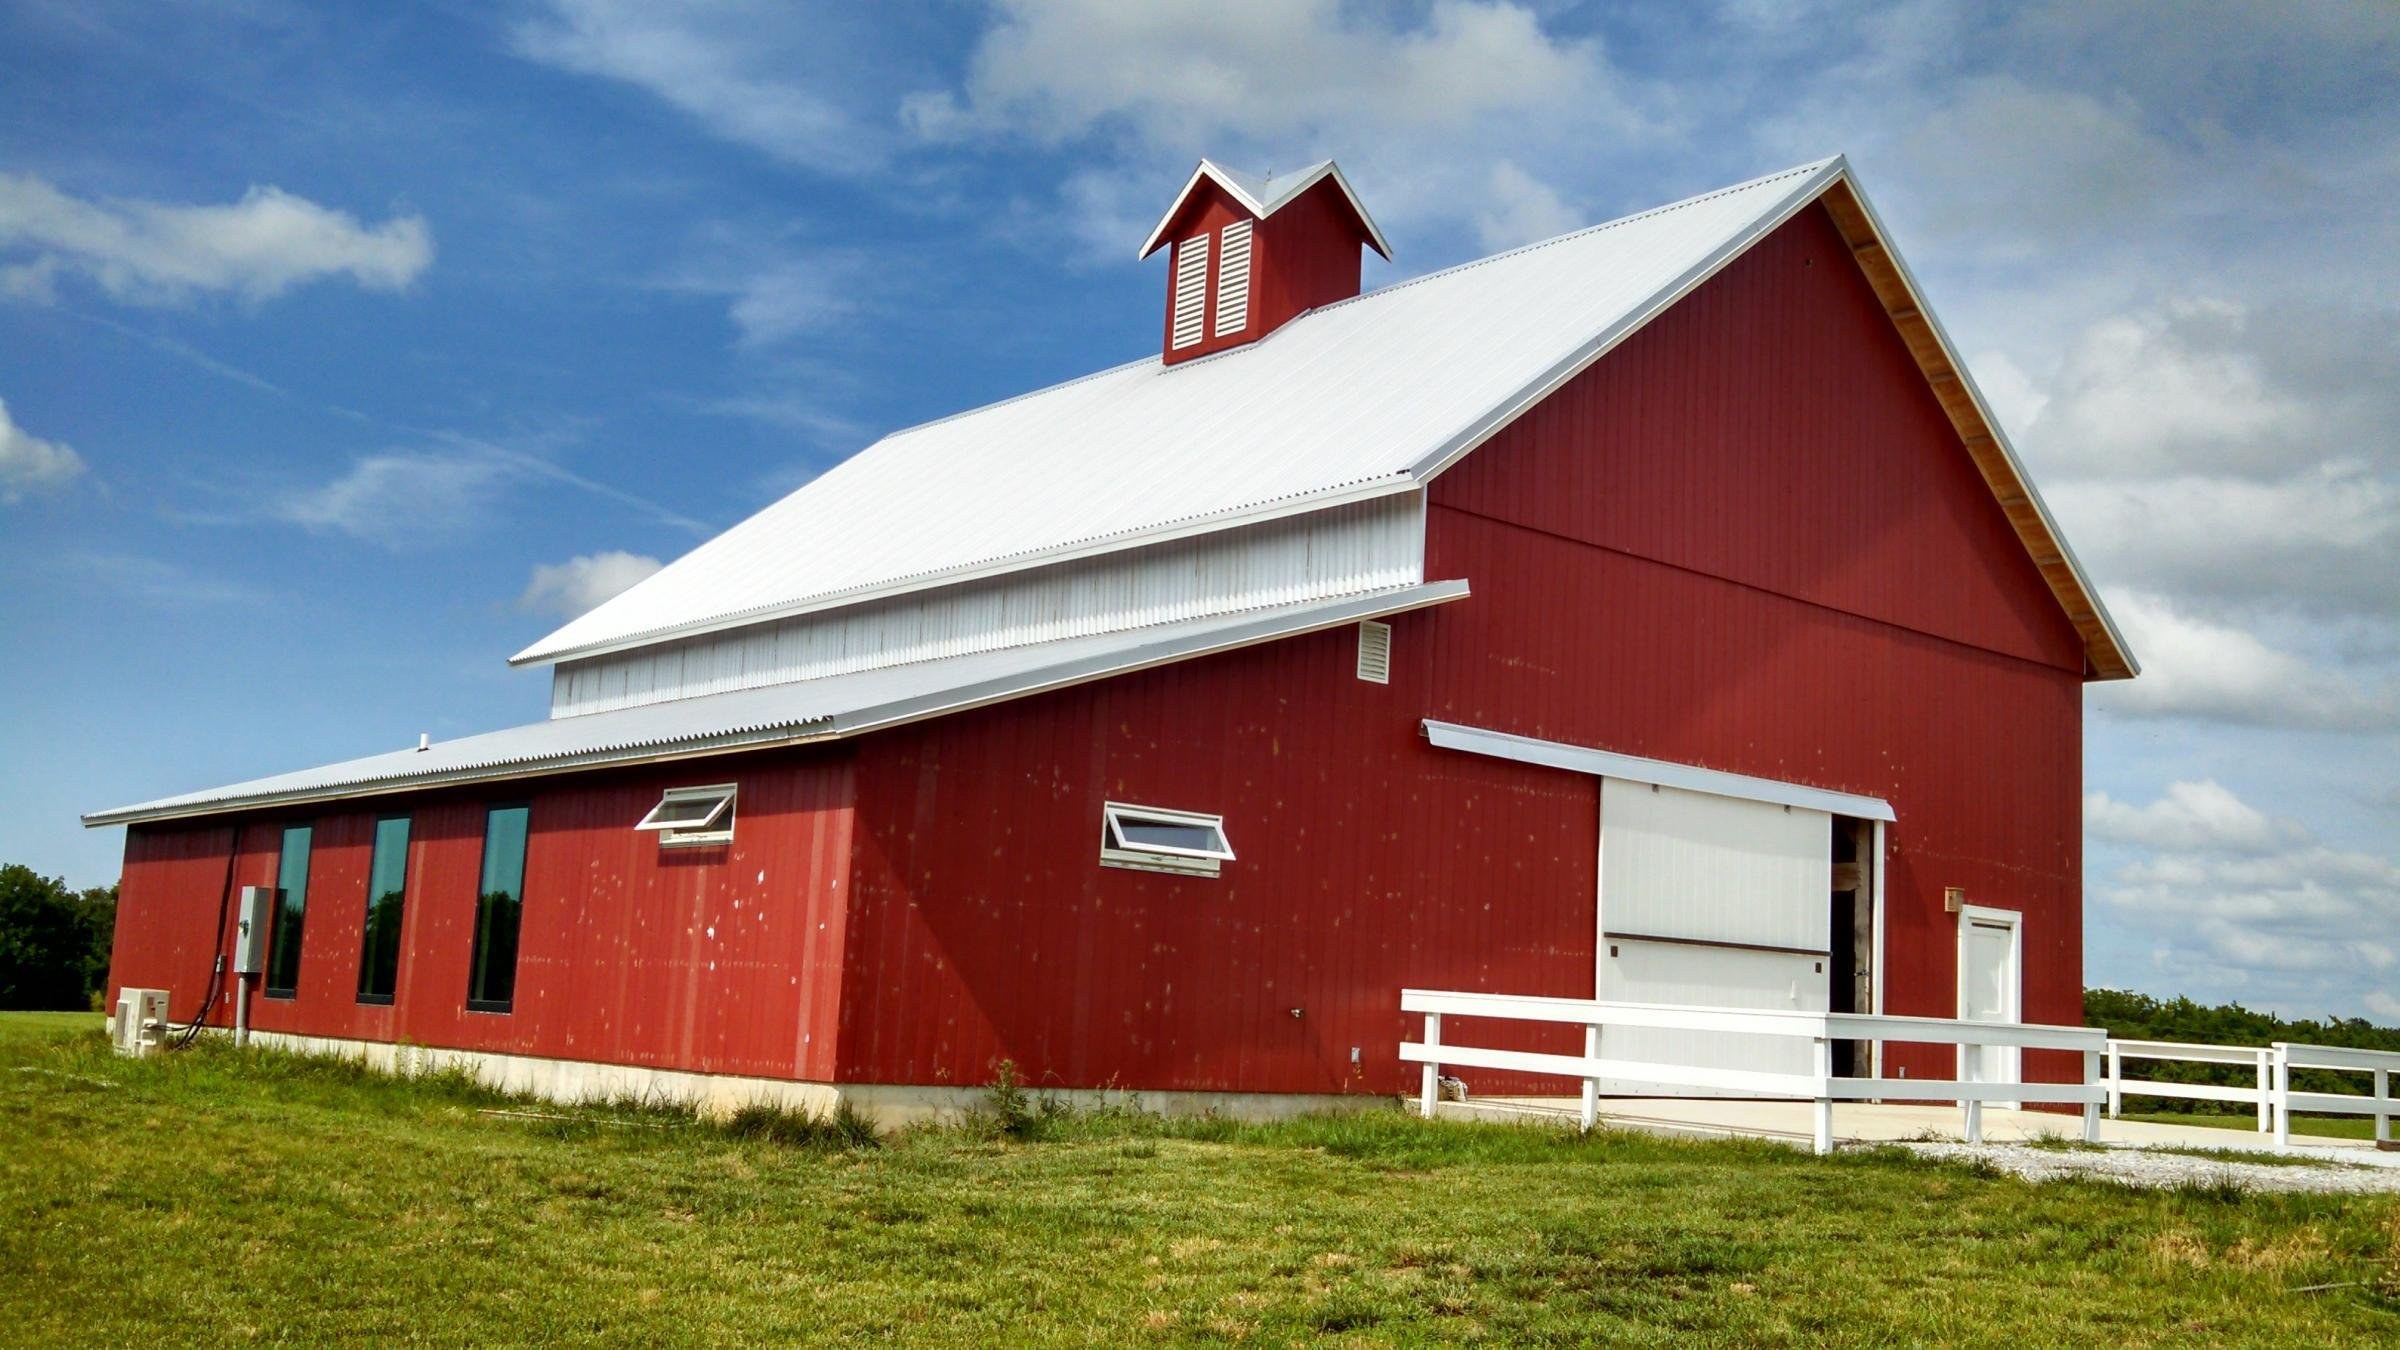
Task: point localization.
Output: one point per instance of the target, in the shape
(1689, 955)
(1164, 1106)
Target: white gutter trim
(810, 730)
(1186, 528)
(1660, 772)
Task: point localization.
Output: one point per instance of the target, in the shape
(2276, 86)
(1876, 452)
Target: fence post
(1824, 1113)
(2091, 1106)
(1591, 1084)
(2266, 1091)
(2283, 1099)
(1431, 1092)
(1970, 1063)
(2116, 1080)
(2383, 1095)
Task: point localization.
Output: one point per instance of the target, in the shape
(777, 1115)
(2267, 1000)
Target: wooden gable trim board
(2105, 651)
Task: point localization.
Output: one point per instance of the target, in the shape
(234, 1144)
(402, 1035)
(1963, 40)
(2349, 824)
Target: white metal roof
(813, 710)
(1371, 395)
(1264, 195)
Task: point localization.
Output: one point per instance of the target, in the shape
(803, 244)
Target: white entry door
(1989, 988)
(1715, 901)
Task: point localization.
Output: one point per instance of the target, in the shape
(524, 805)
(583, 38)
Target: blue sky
(344, 352)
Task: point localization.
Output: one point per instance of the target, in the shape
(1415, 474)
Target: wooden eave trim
(2104, 655)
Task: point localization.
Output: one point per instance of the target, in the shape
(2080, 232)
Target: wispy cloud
(574, 587)
(453, 487)
(29, 464)
(776, 77)
(155, 253)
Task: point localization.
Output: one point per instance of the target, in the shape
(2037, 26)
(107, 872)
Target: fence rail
(2101, 1086)
(1819, 1085)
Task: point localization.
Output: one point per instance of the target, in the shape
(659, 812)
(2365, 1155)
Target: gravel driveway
(2150, 1167)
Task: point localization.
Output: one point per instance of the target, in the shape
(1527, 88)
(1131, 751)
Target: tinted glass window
(492, 980)
(387, 885)
(291, 914)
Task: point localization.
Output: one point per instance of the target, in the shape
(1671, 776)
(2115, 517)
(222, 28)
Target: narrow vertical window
(291, 914)
(1191, 290)
(492, 978)
(1233, 278)
(387, 886)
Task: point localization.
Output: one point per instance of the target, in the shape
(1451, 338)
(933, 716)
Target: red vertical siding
(983, 927)
(1746, 539)
(715, 960)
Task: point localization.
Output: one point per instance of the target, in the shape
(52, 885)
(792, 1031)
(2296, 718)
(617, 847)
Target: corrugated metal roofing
(1367, 396)
(811, 710)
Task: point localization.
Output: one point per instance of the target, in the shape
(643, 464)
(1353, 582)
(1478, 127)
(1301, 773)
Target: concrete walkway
(1875, 1122)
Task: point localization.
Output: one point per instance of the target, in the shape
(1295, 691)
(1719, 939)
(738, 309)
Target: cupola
(1251, 253)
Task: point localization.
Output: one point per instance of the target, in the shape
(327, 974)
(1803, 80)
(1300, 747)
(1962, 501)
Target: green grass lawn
(2330, 1127)
(212, 1195)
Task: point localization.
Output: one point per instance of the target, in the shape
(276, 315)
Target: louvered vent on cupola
(1191, 290)
(1233, 279)
(1252, 253)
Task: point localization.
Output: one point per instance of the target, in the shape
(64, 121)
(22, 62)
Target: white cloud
(766, 75)
(576, 586)
(2192, 667)
(1191, 74)
(1465, 114)
(2201, 815)
(2228, 890)
(152, 253)
(401, 497)
(29, 464)
(2385, 1006)
(2325, 539)
(418, 495)
(1519, 209)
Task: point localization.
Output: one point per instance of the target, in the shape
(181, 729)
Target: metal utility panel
(250, 930)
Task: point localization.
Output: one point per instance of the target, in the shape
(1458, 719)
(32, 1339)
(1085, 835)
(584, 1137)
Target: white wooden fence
(1819, 1085)
(2273, 1095)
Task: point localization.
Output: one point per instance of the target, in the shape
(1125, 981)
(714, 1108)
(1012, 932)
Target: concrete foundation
(889, 1105)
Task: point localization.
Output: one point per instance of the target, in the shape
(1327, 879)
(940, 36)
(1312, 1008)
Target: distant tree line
(2139, 1017)
(53, 941)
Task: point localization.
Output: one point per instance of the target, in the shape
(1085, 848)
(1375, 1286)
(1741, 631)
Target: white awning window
(692, 815)
(1155, 839)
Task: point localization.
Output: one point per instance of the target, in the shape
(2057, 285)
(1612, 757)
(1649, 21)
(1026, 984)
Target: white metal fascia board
(1166, 532)
(1983, 407)
(1663, 773)
(833, 708)
(1815, 179)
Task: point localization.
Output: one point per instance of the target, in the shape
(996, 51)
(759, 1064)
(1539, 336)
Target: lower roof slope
(832, 708)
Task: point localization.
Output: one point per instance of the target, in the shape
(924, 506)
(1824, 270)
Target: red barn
(1653, 613)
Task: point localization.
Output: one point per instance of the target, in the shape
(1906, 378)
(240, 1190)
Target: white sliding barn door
(1716, 901)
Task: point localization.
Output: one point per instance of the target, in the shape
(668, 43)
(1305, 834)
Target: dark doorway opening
(1850, 980)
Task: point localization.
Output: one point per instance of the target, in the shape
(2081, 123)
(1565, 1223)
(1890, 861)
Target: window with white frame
(1154, 839)
(692, 815)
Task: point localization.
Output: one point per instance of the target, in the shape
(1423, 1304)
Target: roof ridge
(1470, 264)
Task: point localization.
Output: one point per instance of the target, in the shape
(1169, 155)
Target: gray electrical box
(250, 934)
